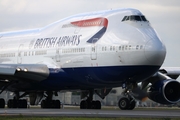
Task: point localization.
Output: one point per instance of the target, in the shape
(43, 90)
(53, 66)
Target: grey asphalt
(150, 113)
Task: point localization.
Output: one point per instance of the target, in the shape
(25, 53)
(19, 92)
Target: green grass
(76, 118)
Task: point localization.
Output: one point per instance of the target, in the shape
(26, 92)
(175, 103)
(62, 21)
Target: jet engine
(165, 91)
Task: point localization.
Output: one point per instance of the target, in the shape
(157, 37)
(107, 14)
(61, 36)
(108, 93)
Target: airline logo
(101, 22)
(93, 22)
(74, 40)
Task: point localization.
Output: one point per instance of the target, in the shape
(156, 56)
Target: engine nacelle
(165, 91)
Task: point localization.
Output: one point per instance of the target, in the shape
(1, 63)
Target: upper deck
(104, 13)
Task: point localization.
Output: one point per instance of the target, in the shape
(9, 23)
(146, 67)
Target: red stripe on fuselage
(91, 22)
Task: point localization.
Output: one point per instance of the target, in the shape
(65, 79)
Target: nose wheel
(123, 103)
(126, 103)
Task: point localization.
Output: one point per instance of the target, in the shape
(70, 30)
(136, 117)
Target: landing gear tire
(83, 104)
(10, 103)
(22, 103)
(90, 104)
(43, 104)
(57, 104)
(2, 103)
(132, 105)
(50, 104)
(98, 104)
(124, 103)
(17, 103)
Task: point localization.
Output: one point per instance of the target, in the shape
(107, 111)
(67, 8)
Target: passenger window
(141, 47)
(122, 47)
(93, 49)
(126, 47)
(111, 48)
(137, 47)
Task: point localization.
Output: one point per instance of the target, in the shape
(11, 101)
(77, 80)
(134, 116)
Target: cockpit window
(134, 18)
(127, 17)
(143, 18)
(124, 18)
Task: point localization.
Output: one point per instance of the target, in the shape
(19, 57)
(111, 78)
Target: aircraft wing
(172, 72)
(23, 72)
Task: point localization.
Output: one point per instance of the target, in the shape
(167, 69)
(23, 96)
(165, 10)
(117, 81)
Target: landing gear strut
(89, 103)
(49, 103)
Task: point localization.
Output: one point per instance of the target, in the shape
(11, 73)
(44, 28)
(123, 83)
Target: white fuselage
(90, 41)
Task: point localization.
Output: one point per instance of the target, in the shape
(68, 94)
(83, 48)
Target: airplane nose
(155, 52)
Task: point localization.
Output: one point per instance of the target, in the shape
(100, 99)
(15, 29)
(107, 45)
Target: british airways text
(51, 42)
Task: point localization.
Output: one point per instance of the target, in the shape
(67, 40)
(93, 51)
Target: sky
(164, 16)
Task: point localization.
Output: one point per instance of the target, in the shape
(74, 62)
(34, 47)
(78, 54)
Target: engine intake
(165, 91)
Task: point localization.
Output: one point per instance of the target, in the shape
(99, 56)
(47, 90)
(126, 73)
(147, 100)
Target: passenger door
(94, 50)
(20, 52)
(57, 55)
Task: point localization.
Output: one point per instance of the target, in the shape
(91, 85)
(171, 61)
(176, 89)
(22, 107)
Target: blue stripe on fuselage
(97, 77)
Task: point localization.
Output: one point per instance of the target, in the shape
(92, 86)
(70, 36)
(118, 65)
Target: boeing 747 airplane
(92, 53)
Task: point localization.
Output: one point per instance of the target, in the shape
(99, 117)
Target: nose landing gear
(126, 103)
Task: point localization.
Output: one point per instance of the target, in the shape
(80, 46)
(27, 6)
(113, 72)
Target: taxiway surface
(150, 113)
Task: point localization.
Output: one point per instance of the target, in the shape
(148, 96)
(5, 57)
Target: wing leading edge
(28, 72)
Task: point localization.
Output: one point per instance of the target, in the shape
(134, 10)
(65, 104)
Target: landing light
(18, 69)
(6, 80)
(25, 70)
